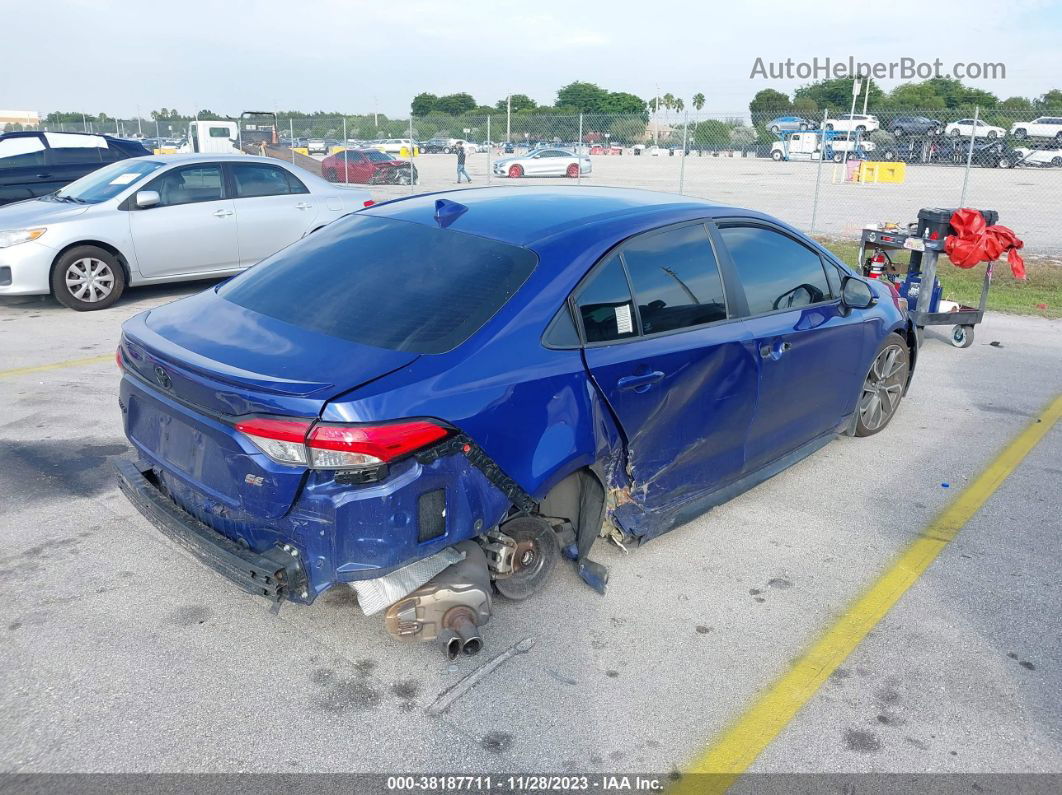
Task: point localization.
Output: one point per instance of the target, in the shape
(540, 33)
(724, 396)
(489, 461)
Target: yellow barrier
(302, 150)
(882, 171)
(166, 150)
(332, 150)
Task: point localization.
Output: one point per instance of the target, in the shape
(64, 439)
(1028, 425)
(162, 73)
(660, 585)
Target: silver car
(171, 218)
(543, 163)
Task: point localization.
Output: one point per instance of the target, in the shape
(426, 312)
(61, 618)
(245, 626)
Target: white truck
(807, 145)
(213, 137)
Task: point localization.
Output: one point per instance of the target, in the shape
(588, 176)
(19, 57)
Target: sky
(352, 56)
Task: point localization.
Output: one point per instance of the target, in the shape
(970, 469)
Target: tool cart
(925, 242)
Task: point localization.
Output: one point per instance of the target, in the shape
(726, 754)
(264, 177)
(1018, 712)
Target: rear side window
(605, 304)
(386, 283)
(66, 156)
(775, 271)
(259, 179)
(675, 279)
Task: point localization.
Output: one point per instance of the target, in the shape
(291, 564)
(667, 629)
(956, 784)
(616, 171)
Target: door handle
(639, 383)
(44, 176)
(222, 213)
(774, 351)
(304, 205)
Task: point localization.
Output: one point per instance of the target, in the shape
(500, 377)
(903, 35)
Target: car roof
(200, 157)
(526, 215)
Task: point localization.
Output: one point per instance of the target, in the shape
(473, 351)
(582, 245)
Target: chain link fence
(826, 173)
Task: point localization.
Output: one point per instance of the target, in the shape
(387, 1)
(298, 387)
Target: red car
(367, 167)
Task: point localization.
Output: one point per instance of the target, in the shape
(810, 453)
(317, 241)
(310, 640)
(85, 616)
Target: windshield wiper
(71, 199)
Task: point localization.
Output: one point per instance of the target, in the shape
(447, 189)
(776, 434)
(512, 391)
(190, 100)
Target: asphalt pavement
(122, 654)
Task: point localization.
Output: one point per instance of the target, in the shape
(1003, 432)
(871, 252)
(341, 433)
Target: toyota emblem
(163, 377)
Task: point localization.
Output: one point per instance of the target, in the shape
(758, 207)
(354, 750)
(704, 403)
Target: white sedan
(543, 163)
(148, 220)
(964, 128)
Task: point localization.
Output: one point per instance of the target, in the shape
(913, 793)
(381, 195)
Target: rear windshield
(386, 283)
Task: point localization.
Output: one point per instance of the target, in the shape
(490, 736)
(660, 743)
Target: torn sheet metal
(375, 595)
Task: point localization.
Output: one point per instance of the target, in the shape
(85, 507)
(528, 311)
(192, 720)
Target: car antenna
(446, 212)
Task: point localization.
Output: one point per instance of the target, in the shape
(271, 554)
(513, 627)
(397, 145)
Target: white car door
(273, 209)
(191, 230)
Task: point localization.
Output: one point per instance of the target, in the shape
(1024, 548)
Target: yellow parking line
(736, 749)
(40, 368)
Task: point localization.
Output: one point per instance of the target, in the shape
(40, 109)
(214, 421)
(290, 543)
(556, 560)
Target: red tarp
(974, 241)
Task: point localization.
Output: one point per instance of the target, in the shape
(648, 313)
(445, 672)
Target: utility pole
(508, 118)
(851, 123)
(866, 97)
(656, 118)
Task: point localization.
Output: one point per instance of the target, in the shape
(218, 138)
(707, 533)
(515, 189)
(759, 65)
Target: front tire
(87, 278)
(776, 155)
(515, 172)
(883, 386)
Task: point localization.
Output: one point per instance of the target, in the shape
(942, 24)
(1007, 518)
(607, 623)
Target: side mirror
(147, 198)
(856, 293)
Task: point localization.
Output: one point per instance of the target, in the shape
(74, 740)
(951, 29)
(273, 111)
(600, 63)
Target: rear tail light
(336, 446)
(118, 360)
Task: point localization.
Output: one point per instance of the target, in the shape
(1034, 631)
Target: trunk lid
(202, 362)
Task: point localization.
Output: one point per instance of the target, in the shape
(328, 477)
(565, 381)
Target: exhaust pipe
(466, 629)
(448, 608)
(451, 644)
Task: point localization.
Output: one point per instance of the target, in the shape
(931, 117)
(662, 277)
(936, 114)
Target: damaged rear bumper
(274, 574)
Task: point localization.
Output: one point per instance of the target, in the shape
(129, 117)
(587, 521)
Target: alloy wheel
(89, 279)
(883, 387)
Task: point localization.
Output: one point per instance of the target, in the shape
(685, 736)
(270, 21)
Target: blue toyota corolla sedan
(436, 398)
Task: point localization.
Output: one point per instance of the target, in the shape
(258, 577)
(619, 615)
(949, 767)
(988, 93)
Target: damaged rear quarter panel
(530, 408)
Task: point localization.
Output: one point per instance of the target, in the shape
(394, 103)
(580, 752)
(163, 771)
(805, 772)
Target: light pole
(508, 117)
(856, 85)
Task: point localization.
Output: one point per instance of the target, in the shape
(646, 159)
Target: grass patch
(1040, 294)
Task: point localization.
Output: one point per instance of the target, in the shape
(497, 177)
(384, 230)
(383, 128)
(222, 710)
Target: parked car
(1043, 127)
(367, 167)
(400, 147)
(915, 125)
(434, 146)
(1024, 156)
(317, 146)
(785, 123)
(964, 128)
(853, 122)
(508, 147)
(35, 163)
(476, 380)
(147, 220)
(543, 163)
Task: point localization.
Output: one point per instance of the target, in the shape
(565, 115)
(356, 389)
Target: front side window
(188, 185)
(776, 272)
(259, 179)
(675, 279)
(218, 132)
(605, 304)
(386, 283)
